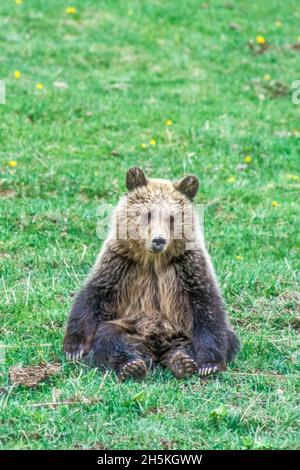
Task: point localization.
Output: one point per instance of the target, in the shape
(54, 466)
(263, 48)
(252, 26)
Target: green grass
(129, 67)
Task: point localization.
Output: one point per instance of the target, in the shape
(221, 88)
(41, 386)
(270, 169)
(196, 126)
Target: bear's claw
(209, 369)
(135, 369)
(182, 365)
(75, 355)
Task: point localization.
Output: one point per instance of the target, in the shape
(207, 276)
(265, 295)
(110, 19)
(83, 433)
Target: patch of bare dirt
(295, 323)
(258, 49)
(7, 193)
(293, 296)
(295, 46)
(31, 376)
(96, 446)
(275, 89)
(168, 445)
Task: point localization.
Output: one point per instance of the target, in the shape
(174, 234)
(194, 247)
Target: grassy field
(86, 92)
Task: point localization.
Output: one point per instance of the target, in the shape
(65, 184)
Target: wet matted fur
(152, 298)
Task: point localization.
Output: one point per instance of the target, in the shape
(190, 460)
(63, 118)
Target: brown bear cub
(152, 296)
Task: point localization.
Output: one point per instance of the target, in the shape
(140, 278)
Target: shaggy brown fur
(152, 296)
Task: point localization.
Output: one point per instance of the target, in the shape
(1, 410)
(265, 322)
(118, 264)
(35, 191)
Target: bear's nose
(158, 243)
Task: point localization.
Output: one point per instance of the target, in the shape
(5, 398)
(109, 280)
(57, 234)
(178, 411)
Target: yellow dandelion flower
(17, 74)
(144, 146)
(19, 2)
(238, 257)
(278, 24)
(248, 159)
(12, 164)
(267, 77)
(169, 122)
(231, 179)
(152, 142)
(39, 86)
(71, 10)
(275, 203)
(293, 177)
(260, 40)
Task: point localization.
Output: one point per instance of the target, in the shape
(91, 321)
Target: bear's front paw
(211, 368)
(75, 348)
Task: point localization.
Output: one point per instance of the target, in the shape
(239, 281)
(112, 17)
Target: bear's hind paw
(182, 365)
(135, 369)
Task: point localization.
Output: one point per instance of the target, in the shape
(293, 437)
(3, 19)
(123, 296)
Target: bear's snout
(158, 243)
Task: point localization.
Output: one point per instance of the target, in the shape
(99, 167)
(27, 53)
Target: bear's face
(156, 216)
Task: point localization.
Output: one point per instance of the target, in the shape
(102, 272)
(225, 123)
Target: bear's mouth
(157, 250)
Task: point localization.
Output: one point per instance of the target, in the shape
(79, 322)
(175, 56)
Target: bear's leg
(82, 324)
(212, 337)
(117, 348)
(214, 347)
(210, 346)
(180, 361)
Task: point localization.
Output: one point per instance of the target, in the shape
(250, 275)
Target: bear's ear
(135, 178)
(188, 186)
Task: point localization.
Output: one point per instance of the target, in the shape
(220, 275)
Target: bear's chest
(154, 298)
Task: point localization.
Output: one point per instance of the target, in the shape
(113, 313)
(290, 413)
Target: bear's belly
(154, 301)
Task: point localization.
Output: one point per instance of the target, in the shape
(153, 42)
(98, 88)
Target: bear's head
(156, 216)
